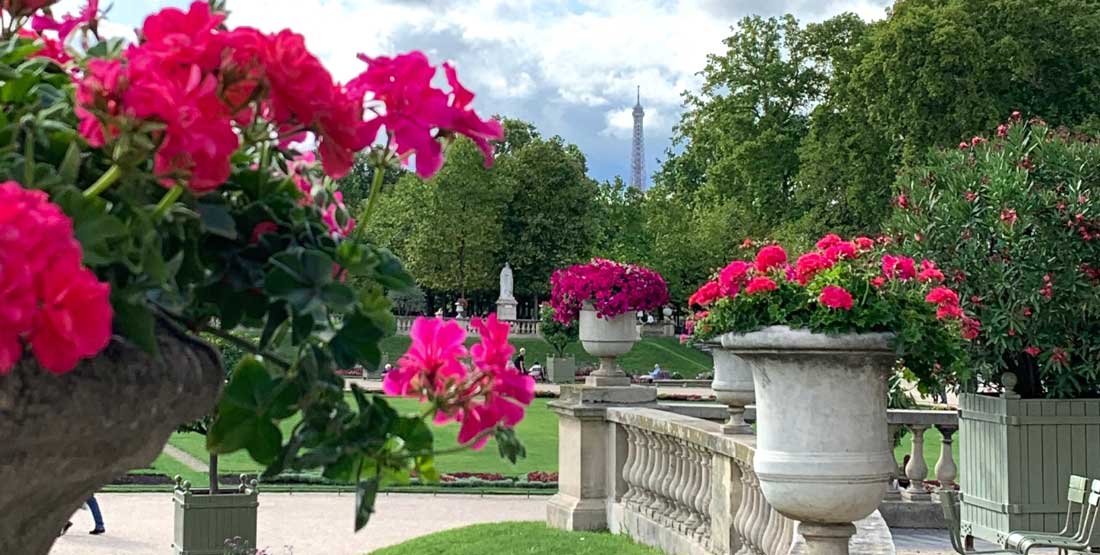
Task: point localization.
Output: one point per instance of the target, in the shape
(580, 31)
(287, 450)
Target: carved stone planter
(561, 369)
(821, 422)
(63, 437)
(733, 387)
(204, 522)
(607, 339)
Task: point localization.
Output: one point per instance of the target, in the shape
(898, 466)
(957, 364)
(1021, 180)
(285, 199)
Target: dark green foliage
(1013, 222)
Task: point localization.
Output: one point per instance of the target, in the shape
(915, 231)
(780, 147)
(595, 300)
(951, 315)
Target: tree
(937, 72)
(621, 232)
(449, 229)
(549, 222)
(741, 131)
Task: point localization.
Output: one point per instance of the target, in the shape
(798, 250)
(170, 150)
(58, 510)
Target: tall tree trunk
(213, 474)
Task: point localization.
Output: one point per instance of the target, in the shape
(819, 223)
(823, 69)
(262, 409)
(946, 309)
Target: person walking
(97, 517)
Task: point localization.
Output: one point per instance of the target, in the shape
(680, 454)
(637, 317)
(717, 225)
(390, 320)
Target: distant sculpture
(506, 304)
(506, 283)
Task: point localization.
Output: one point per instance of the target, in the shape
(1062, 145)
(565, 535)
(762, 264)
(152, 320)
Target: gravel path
(312, 523)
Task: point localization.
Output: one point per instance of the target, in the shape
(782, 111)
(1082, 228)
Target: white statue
(506, 282)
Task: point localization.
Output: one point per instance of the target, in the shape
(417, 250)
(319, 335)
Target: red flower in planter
(771, 256)
(706, 294)
(760, 284)
(1033, 350)
(733, 276)
(809, 265)
(833, 296)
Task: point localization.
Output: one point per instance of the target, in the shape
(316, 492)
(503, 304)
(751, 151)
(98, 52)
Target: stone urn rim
(786, 339)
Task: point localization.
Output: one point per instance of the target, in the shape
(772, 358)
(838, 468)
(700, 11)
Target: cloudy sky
(569, 66)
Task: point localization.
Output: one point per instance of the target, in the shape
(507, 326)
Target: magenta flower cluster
(613, 288)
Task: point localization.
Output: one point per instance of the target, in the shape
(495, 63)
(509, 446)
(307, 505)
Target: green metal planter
(204, 522)
(1016, 458)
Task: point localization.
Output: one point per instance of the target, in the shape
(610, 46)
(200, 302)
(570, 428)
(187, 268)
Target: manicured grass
(666, 351)
(538, 431)
(529, 538)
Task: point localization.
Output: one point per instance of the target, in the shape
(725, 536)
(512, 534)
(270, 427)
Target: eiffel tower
(637, 149)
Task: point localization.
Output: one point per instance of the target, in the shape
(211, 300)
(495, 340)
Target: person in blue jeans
(97, 516)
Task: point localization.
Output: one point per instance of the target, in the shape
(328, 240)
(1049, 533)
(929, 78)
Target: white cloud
(570, 66)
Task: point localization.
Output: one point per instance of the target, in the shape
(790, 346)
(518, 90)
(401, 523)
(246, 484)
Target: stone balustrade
(520, 328)
(669, 480)
(917, 422)
(691, 489)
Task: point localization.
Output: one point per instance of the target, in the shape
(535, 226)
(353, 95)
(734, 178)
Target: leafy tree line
(796, 130)
(799, 130)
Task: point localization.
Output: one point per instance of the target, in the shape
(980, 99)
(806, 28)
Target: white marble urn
(821, 426)
(733, 387)
(607, 339)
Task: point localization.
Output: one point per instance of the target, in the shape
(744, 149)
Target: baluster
(892, 492)
(682, 484)
(668, 471)
(695, 487)
(917, 469)
(786, 535)
(760, 519)
(705, 498)
(648, 470)
(946, 470)
(660, 474)
(629, 467)
(744, 509)
(771, 530)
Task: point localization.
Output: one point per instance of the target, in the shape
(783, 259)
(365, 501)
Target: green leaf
(231, 430)
(217, 220)
(69, 170)
(337, 296)
(249, 387)
(266, 442)
(365, 493)
(357, 342)
(134, 320)
(509, 445)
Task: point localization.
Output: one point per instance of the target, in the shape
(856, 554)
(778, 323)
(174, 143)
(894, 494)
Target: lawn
(666, 351)
(529, 538)
(538, 431)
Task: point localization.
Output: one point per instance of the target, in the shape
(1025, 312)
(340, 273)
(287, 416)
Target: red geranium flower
(833, 296)
(771, 256)
(760, 284)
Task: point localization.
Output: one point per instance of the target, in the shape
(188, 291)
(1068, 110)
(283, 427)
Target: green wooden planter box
(204, 522)
(1016, 456)
(561, 370)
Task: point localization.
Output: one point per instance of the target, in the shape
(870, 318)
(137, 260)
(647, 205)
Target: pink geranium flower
(733, 276)
(760, 284)
(431, 362)
(836, 297)
(771, 256)
(706, 294)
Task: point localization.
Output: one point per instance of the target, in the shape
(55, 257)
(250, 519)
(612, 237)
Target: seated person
(536, 372)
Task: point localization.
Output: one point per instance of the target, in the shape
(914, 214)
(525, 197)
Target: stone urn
(65, 436)
(607, 339)
(821, 450)
(733, 387)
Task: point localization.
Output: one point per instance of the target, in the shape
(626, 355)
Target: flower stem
(104, 181)
(375, 193)
(167, 200)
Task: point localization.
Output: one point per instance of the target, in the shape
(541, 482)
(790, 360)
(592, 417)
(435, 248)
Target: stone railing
(669, 480)
(520, 328)
(918, 422)
(691, 489)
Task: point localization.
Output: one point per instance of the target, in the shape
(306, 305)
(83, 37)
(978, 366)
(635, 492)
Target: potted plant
(603, 296)
(559, 367)
(1013, 221)
(151, 193)
(822, 336)
(206, 519)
